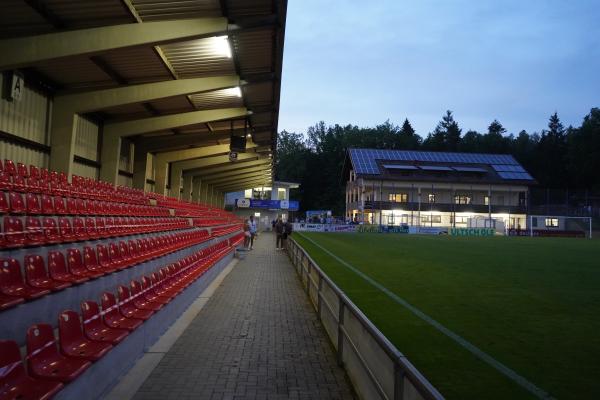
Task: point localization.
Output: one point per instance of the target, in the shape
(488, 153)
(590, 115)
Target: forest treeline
(557, 156)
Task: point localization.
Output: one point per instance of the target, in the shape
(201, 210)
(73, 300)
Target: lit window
(462, 199)
(398, 197)
(436, 219)
(551, 222)
(486, 200)
(431, 197)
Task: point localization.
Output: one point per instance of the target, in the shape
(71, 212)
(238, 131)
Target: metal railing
(376, 368)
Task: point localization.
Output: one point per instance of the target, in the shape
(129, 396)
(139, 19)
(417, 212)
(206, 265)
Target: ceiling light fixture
(221, 46)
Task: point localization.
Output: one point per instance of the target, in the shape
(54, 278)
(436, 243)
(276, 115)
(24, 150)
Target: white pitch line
(491, 361)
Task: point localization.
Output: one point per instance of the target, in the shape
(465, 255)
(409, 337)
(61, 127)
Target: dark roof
(428, 165)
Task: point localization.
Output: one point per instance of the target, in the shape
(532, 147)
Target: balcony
(444, 207)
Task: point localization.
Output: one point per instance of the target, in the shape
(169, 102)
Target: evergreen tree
(407, 137)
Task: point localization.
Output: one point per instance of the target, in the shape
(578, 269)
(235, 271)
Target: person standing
(287, 231)
(247, 234)
(252, 229)
(279, 229)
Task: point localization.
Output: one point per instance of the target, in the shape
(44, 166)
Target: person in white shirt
(252, 229)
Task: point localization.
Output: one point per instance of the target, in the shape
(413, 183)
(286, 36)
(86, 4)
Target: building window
(436, 219)
(281, 194)
(486, 200)
(431, 197)
(458, 220)
(398, 197)
(462, 199)
(551, 222)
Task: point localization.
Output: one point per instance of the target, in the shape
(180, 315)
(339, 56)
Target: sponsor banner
(291, 205)
(381, 229)
(243, 203)
(427, 230)
(472, 231)
(340, 228)
(308, 227)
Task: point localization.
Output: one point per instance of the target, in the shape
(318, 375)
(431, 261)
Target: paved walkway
(257, 338)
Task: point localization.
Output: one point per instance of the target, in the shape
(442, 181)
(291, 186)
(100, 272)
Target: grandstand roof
(436, 166)
(235, 39)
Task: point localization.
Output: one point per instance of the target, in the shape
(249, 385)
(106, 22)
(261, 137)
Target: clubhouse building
(436, 189)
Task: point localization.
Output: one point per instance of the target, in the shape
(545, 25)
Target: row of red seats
(23, 179)
(32, 203)
(78, 267)
(51, 363)
(48, 230)
(212, 221)
(224, 230)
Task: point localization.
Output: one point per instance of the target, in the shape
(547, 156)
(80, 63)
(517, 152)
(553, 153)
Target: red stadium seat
(66, 230)
(47, 205)
(59, 205)
(22, 170)
(90, 228)
(125, 256)
(32, 203)
(134, 251)
(91, 261)
(9, 301)
(51, 231)
(37, 276)
(9, 167)
(19, 183)
(34, 172)
(71, 206)
(4, 206)
(34, 234)
(44, 174)
(151, 294)
(14, 233)
(81, 206)
(15, 384)
(44, 360)
(57, 267)
(101, 227)
(73, 342)
(139, 299)
(79, 229)
(12, 284)
(104, 259)
(113, 318)
(76, 266)
(127, 306)
(5, 181)
(115, 256)
(17, 205)
(95, 329)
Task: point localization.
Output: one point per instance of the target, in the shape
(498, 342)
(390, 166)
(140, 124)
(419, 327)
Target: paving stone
(258, 337)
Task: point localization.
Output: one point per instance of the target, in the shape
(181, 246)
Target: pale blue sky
(362, 62)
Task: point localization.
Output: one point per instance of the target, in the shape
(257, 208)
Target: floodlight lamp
(234, 91)
(221, 47)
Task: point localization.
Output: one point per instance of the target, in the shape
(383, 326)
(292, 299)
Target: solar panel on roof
(508, 168)
(469, 169)
(434, 168)
(398, 166)
(515, 175)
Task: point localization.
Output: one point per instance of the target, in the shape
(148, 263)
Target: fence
(377, 369)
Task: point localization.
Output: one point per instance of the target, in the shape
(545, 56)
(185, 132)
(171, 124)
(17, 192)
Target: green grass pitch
(531, 303)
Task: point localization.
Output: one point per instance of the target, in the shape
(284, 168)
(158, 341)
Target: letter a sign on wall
(17, 84)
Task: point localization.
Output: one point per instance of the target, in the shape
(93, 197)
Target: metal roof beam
(164, 122)
(236, 166)
(251, 175)
(100, 99)
(227, 174)
(244, 185)
(178, 167)
(23, 51)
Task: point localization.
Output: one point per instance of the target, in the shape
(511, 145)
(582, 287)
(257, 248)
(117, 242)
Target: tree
(407, 137)
(446, 136)
(552, 151)
(494, 141)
